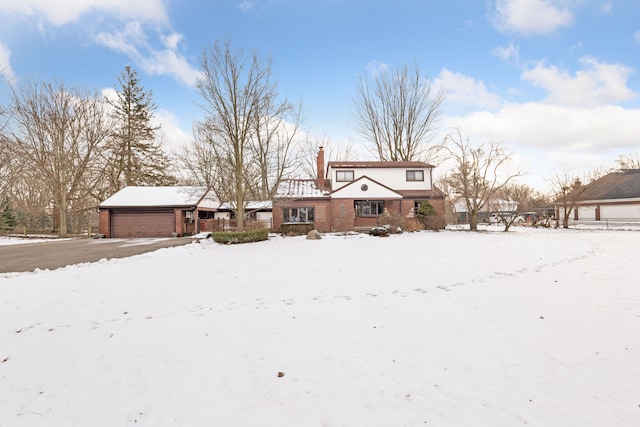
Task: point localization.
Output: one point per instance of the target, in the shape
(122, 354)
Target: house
(615, 196)
(154, 211)
(354, 195)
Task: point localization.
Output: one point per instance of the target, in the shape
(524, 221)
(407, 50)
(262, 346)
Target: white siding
(395, 178)
(586, 213)
(374, 191)
(620, 211)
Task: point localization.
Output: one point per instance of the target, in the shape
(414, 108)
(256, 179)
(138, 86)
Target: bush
(412, 225)
(240, 236)
(297, 228)
(434, 223)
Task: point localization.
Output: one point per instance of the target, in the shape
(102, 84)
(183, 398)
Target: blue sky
(557, 81)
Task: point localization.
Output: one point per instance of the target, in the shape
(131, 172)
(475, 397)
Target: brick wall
(104, 222)
(322, 219)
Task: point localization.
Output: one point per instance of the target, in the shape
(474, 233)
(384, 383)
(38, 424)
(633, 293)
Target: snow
(536, 326)
(10, 240)
(135, 196)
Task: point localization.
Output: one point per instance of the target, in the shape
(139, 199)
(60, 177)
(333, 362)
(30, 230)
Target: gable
(365, 188)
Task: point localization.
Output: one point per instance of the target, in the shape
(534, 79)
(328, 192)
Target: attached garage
(151, 212)
(142, 223)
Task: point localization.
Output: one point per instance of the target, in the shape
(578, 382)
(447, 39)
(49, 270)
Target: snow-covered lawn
(531, 327)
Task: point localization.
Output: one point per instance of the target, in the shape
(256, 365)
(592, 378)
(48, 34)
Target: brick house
(354, 195)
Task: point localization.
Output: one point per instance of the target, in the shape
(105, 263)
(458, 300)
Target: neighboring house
(615, 196)
(354, 195)
(499, 206)
(152, 212)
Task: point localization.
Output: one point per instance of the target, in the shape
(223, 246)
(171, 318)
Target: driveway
(58, 254)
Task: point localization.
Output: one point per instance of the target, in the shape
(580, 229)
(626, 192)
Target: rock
(314, 235)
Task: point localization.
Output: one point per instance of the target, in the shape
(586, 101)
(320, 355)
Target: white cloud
(60, 13)
(167, 61)
(133, 42)
(531, 16)
(597, 84)
(248, 6)
(636, 37)
(509, 53)
(124, 41)
(549, 138)
(376, 67)
(607, 7)
(172, 134)
(464, 90)
(5, 63)
(551, 126)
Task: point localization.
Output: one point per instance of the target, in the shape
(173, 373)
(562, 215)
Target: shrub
(240, 236)
(412, 225)
(431, 220)
(292, 229)
(434, 223)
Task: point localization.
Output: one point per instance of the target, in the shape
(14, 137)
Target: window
(369, 207)
(415, 175)
(344, 176)
(297, 214)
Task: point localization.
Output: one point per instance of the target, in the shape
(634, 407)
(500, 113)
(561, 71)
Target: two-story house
(353, 195)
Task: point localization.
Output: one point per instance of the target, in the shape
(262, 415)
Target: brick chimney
(320, 169)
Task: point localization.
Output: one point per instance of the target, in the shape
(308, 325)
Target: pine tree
(7, 216)
(135, 157)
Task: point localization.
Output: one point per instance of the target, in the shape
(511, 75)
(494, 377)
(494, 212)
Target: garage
(142, 223)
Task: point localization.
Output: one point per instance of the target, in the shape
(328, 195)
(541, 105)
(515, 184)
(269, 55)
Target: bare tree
(630, 161)
(238, 99)
(197, 160)
(332, 152)
(398, 112)
(567, 189)
(478, 172)
(59, 132)
(277, 128)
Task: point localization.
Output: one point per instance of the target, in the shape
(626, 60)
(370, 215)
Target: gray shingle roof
(623, 184)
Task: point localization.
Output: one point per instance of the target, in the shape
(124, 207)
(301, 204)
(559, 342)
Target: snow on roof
(133, 196)
(299, 188)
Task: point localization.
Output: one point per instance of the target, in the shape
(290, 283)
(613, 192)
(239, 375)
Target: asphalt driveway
(57, 254)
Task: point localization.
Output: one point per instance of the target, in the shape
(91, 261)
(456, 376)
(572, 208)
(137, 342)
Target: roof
(299, 188)
(133, 196)
(622, 184)
(378, 164)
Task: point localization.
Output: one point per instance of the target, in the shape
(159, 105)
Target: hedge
(240, 236)
(296, 228)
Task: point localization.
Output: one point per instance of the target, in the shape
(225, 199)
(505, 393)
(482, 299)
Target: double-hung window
(344, 176)
(415, 175)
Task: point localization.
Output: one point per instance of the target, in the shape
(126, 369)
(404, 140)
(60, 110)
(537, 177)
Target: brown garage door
(142, 223)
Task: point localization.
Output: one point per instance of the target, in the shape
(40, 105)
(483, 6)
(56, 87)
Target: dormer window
(344, 176)
(417, 175)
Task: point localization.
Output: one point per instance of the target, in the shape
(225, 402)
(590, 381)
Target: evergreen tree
(7, 216)
(135, 157)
